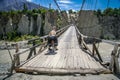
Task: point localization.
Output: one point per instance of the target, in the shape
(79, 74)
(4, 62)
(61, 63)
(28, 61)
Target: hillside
(7, 5)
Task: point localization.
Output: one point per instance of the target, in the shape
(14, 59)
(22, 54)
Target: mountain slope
(7, 5)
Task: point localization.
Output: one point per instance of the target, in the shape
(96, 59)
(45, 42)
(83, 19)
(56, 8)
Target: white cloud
(65, 6)
(29, 0)
(65, 2)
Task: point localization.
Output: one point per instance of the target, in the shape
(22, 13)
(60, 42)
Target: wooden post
(30, 54)
(16, 60)
(93, 50)
(114, 64)
(17, 48)
(80, 39)
(34, 49)
(17, 56)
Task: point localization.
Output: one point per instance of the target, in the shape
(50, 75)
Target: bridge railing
(113, 64)
(31, 52)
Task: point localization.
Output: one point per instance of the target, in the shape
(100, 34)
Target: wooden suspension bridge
(72, 57)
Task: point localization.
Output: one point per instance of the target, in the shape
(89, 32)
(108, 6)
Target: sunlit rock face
(23, 25)
(89, 24)
(32, 26)
(110, 26)
(106, 27)
(47, 26)
(39, 24)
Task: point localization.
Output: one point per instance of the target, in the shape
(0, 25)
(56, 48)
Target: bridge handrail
(81, 40)
(114, 63)
(83, 44)
(43, 37)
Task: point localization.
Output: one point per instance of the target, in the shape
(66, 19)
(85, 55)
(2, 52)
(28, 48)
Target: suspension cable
(60, 11)
(108, 3)
(83, 3)
(95, 4)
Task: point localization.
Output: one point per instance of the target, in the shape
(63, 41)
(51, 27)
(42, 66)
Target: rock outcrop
(35, 24)
(23, 25)
(106, 27)
(88, 24)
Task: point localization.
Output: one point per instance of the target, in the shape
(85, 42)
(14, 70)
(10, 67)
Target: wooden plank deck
(68, 59)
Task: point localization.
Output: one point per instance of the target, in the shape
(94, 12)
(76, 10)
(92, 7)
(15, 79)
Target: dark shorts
(50, 38)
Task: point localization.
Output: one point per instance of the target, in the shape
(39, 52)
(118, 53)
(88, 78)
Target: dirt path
(20, 76)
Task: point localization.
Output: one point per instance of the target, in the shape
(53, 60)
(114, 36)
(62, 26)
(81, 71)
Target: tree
(70, 11)
(99, 12)
(108, 11)
(25, 8)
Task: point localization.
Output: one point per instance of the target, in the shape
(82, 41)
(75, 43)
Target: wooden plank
(81, 61)
(40, 61)
(55, 60)
(37, 59)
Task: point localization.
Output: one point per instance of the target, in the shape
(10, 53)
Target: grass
(24, 37)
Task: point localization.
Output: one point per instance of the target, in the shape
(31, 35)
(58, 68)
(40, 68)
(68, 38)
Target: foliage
(51, 10)
(35, 16)
(11, 35)
(35, 11)
(4, 18)
(98, 12)
(24, 37)
(42, 11)
(25, 8)
(108, 12)
(63, 11)
(70, 11)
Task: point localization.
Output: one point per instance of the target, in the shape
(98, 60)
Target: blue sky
(76, 4)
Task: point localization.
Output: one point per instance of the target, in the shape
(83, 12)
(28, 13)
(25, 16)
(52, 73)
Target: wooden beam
(65, 71)
(97, 52)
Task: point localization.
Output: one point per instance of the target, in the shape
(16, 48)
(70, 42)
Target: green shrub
(35, 16)
(25, 37)
(11, 35)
